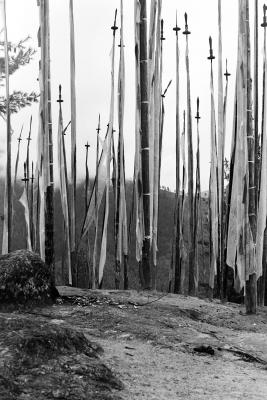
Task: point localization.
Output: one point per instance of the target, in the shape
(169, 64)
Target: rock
(205, 349)
(24, 277)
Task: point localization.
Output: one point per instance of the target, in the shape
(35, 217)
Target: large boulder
(23, 277)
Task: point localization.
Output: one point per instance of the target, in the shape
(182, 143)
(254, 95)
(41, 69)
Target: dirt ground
(170, 347)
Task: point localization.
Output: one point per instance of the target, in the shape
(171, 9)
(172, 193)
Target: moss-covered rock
(23, 277)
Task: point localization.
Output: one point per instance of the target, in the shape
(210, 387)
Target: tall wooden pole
(192, 282)
(28, 154)
(47, 247)
(96, 208)
(256, 98)
(177, 212)
(197, 196)
(73, 147)
(221, 144)
(86, 201)
(213, 185)
(146, 251)
(262, 279)
(251, 283)
(31, 208)
(7, 231)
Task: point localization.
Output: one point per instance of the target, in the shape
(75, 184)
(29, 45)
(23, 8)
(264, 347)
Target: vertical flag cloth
(220, 136)
(176, 253)
(102, 177)
(183, 250)
(103, 250)
(197, 198)
(42, 161)
(239, 232)
(137, 162)
(73, 130)
(152, 79)
(17, 158)
(191, 250)
(28, 157)
(63, 186)
(158, 124)
(24, 201)
(45, 142)
(262, 208)
(122, 229)
(213, 189)
(6, 242)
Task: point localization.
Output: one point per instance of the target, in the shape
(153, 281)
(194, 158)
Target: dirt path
(151, 347)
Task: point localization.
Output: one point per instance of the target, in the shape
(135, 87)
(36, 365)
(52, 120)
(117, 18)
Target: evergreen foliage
(19, 55)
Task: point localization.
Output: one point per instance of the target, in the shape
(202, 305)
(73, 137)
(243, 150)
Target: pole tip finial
(211, 56)
(197, 115)
(25, 179)
(59, 94)
(264, 24)
(98, 126)
(114, 26)
(186, 31)
(227, 73)
(161, 30)
(176, 29)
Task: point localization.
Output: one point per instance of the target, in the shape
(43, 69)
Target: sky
(93, 41)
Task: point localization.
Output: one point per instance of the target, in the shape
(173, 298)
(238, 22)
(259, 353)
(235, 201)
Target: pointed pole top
(114, 27)
(186, 31)
(197, 116)
(264, 24)
(64, 131)
(98, 126)
(30, 131)
(60, 94)
(20, 138)
(211, 56)
(165, 91)
(32, 177)
(176, 29)
(226, 74)
(25, 179)
(161, 30)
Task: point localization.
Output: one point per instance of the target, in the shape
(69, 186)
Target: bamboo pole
(176, 264)
(251, 283)
(28, 154)
(197, 196)
(146, 251)
(182, 217)
(262, 279)
(225, 209)
(73, 204)
(192, 288)
(17, 157)
(31, 207)
(7, 231)
(86, 200)
(221, 145)
(46, 143)
(256, 98)
(213, 186)
(157, 132)
(96, 208)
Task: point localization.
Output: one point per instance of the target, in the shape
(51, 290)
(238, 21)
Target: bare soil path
(166, 347)
(149, 343)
